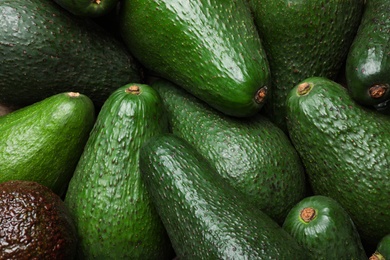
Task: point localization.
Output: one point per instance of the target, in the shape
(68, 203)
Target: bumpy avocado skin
(210, 48)
(329, 234)
(35, 224)
(345, 150)
(113, 213)
(46, 50)
(42, 142)
(204, 216)
(368, 61)
(303, 38)
(252, 154)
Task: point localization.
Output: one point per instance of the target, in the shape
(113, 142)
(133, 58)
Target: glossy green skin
(113, 213)
(35, 223)
(88, 8)
(252, 154)
(43, 142)
(303, 38)
(204, 216)
(45, 50)
(368, 61)
(345, 150)
(383, 246)
(330, 235)
(210, 48)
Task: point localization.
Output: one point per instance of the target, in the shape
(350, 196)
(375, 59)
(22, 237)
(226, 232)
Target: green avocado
(210, 48)
(205, 217)
(322, 226)
(345, 150)
(252, 154)
(303, 38)
(46, 50)
(382, 251)
(368, 62)
(35, 223)
(42, 142)
(113, 213)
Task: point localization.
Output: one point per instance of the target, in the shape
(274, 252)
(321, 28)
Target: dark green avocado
(303, 38)
(252, 154)
(345, 150)
(34, 223)
(210, 48)
(205, 217)
(322, 226)
(45, 50)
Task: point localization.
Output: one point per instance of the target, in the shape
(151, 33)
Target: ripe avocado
(322, 226)
(45, 50)
(345, 150)
(303, 38)
(252, 154)
(368, 62)
(113, 213)
(34, 223)
(42, 142)
(210, 48)
(205, 217)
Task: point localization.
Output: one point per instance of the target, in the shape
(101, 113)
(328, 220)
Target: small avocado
(34, 223)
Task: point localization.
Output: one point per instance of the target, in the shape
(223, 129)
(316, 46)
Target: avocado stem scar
(378, 90)
(308, 214)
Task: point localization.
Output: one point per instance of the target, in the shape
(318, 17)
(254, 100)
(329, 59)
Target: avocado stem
(304, 88)
(133, 89)
(73, 94)
(376, 256)
(308, 214)
(378, 90)
(261, 94)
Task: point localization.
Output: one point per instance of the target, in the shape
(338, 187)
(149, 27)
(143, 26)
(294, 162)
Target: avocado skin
(210, 48)
(303, 38)
(42, 142)
(113, 213)
(45, 50)
(204, 216)
(35, 224)
(252, 154)
(344, 148)
(368, 61)
(331, 234)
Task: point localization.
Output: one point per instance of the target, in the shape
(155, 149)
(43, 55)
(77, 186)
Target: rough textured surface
(303, 38)
(252, 154)
(204, 216)
(211, 48)
(345, 150)
(34, 223)
(113, 213)
(45, 50)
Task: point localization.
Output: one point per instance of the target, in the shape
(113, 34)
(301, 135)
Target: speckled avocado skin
(204, 216)
(45, 50)
(368, 61)
(345, 150)
(113, 213)
(303, 38)
(252, 154)
(35, 224)
(210, 48)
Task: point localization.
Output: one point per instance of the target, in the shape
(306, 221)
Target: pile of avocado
(161, 129)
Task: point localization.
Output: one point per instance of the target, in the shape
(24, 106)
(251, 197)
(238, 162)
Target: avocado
(88, 8)
(368, 60)
(322, 226)
(382, 251)
(252, 154)
(35, 224)
(345, 150)
(45, 50)
(210, 48)
(205, 217)
(42, 142)
(303, 38)
(113, 213)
